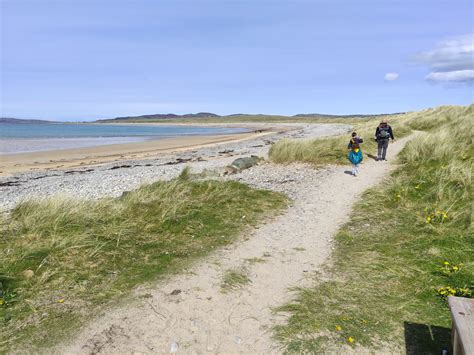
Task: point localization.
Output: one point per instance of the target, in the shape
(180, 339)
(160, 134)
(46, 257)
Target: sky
(89, 59)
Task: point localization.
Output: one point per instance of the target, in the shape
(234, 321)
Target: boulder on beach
(242, 164)
(247, 162)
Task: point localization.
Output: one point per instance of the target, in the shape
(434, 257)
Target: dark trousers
(382, 145)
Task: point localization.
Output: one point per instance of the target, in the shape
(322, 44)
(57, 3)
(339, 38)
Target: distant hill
(204, 115)
(165, 116)
(23, 121)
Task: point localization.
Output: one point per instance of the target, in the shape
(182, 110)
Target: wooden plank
(462, 313)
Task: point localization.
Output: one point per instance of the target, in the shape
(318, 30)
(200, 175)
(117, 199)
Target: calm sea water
(20, 138)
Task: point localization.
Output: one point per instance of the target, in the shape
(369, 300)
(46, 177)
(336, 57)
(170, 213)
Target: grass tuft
(234, 279)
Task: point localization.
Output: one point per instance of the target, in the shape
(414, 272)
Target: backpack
(383, 132)
(354, 144)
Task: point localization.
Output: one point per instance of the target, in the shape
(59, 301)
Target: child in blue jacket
(355, 153)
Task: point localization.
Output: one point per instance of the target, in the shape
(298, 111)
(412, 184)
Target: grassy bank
(64, 259)
(408, 246)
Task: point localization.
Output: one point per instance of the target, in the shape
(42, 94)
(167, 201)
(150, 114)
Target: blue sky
(84, 59)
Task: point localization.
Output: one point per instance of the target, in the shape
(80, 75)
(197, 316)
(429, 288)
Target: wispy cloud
(455, 75)
(391, 76)
(451, 60)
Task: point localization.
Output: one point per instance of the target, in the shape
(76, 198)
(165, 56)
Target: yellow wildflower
(338, 328)
(446, 263)
(61, 300)
(455, 268)
(350, 340)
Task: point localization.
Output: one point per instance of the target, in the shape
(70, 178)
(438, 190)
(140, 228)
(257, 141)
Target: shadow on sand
(372, 156)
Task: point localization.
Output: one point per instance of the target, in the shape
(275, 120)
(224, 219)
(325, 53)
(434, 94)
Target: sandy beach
(95, 155)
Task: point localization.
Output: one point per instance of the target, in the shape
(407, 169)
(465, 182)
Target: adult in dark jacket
(383, 134)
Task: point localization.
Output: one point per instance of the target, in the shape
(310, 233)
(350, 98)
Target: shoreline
(15, 163)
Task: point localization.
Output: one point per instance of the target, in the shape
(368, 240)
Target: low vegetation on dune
(409, 245)
(64, 259)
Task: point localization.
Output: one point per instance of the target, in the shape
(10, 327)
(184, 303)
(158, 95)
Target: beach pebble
(174, 348)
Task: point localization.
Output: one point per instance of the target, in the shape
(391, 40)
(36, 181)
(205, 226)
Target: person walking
(355, 154)
(383, 134)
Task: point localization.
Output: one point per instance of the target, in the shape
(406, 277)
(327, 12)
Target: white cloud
(391, 76)
(451, 61)
(456, 75)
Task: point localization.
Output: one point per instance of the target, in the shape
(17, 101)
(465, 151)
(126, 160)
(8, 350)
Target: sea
(34, 137)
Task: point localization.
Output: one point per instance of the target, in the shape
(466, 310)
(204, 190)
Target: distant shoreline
(29, 138)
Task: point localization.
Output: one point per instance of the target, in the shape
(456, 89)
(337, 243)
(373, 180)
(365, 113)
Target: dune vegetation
(64, 259)
(408, 246)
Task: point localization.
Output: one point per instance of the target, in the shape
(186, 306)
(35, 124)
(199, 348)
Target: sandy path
(202, 319)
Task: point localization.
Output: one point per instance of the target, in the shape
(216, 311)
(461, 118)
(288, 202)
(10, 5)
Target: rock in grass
(125, 194)
(28, 274)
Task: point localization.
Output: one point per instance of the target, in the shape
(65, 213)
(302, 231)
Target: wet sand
(67, 158)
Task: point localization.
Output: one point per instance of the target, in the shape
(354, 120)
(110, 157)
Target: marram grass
(63, 259)
(408, 246)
